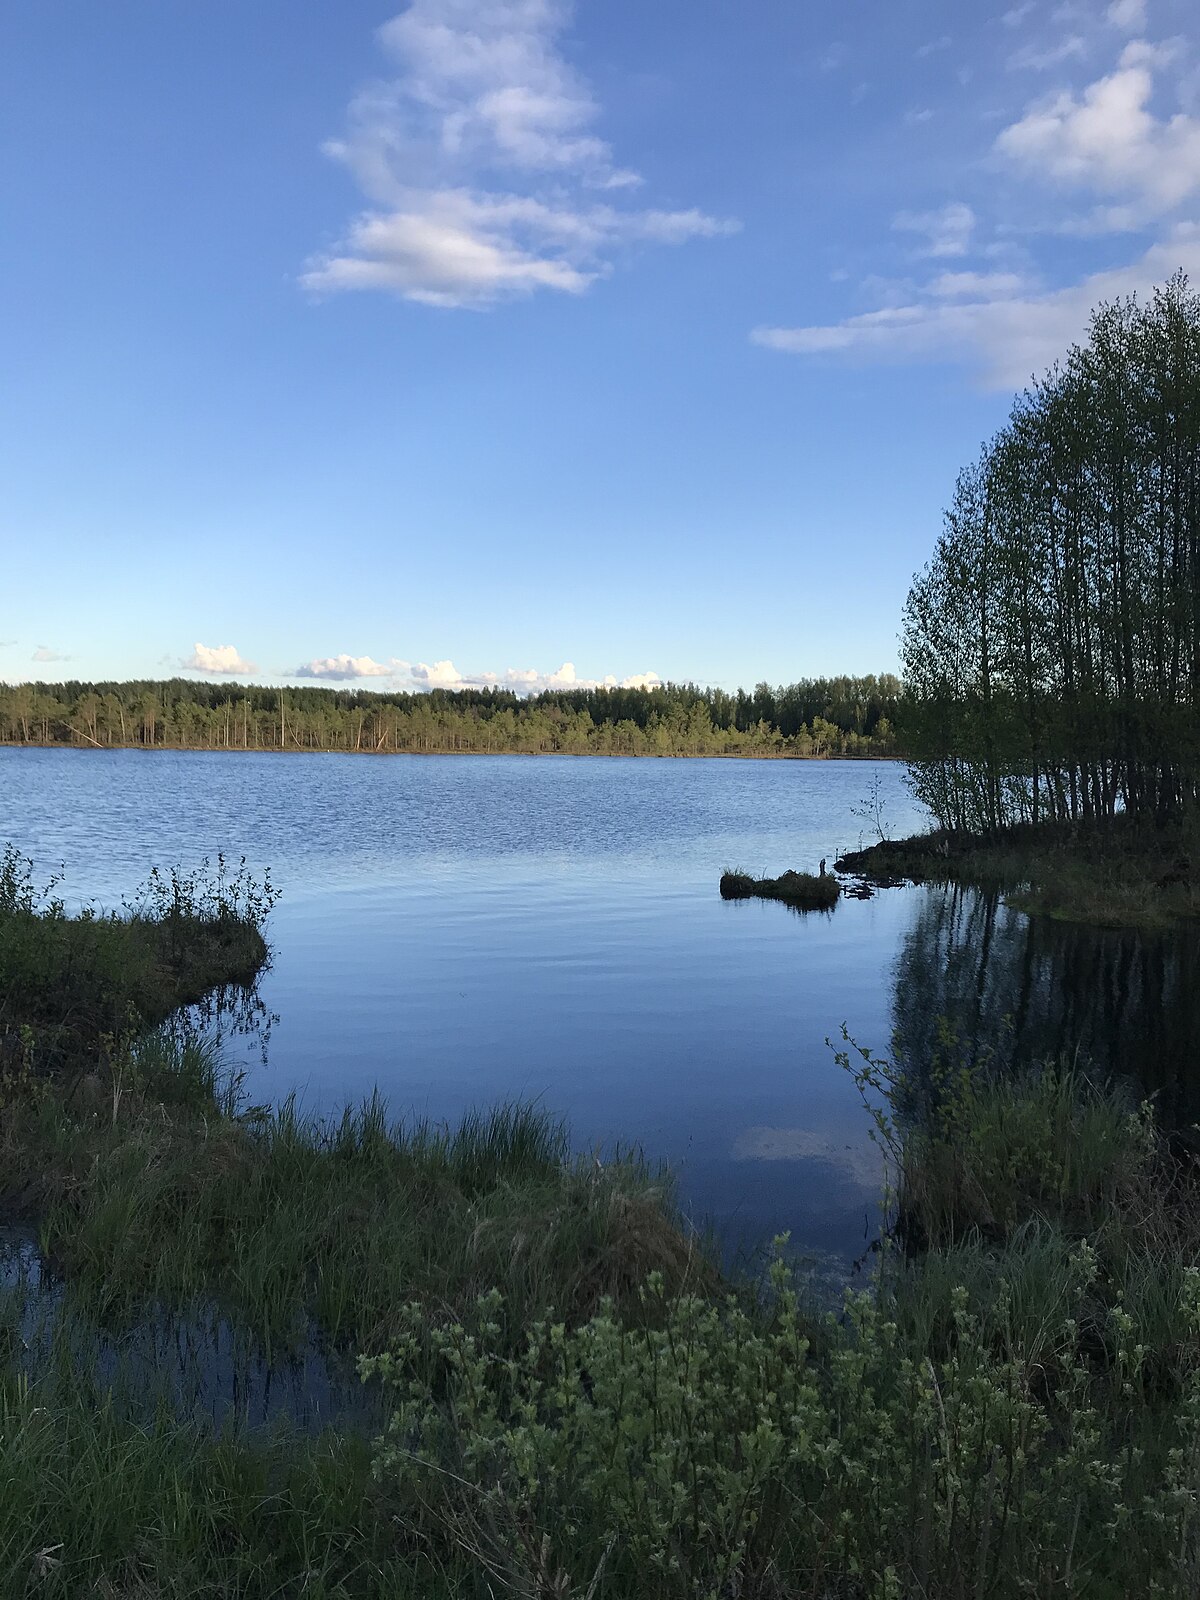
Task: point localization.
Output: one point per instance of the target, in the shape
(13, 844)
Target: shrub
(704, 1450)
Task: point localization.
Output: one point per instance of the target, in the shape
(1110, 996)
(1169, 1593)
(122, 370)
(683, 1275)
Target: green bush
(710, 1450)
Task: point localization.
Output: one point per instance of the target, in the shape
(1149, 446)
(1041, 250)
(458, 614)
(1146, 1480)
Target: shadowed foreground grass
(164, 1187)
(579, 1406)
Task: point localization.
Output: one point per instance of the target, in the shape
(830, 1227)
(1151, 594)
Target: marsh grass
(73, 986)
(161, 1186)
(100, 1503)
(806, 891)
(1013, 1410)
(576, 1405)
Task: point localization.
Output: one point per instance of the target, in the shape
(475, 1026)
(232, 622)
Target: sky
(536, 343)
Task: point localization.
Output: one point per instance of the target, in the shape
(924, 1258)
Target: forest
(1051, 648)
(815, 717)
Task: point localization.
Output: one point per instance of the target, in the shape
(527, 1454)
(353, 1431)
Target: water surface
(462, 930)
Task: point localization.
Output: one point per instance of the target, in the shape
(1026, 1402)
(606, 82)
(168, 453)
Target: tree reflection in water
(1011, 989)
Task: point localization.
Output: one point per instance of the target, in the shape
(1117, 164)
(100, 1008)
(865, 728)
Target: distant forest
(816, 717)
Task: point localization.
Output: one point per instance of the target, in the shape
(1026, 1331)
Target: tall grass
(97, 1503)
(162, 1187)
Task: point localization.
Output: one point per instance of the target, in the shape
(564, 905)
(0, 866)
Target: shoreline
(333, 750)
(1113, 874)
(557, 1357)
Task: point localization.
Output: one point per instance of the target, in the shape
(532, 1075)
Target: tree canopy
(1051, 647)
(843, 716)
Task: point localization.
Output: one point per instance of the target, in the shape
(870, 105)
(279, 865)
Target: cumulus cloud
(946, 232)
(1009, 335)
(344, 668)
(44, 653)
(481, 169)
(222, 660)
(1108, 141)
(521, 680)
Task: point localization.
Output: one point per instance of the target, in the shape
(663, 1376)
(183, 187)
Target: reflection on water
(234, 1017)
(461, 931)
(1016, 989)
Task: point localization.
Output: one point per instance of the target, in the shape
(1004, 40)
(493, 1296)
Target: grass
(806, 891)
(171, 1191)
(1014, 1410)
(577, 1406)
(73, 986)
(98, 1504)
(1110, 874)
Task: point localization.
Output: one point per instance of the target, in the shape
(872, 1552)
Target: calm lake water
(462, 930)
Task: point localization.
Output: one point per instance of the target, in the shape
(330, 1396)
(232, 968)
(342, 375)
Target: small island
(805, 891)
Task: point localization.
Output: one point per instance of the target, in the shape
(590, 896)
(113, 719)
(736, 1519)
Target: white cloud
(1108, 141)
(480, 166)
(343, 668)
(521, 680)
(1039, 58)
(974, 285)
(1016, 16)
(44, 653)
(1009, 335)
(946, 232)
(222, 660)
(932, 47)
(1128, 14)
(441, 675)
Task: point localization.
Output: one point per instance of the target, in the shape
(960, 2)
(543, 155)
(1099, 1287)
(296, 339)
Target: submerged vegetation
(807, 891)
(816, 717)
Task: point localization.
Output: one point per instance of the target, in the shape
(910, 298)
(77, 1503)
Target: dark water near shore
(458, 931)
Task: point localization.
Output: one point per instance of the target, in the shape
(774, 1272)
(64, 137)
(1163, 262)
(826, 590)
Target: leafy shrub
(714, 1450)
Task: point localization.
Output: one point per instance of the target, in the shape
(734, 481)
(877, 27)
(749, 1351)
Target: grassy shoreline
(1110, 875)
(578, 1404)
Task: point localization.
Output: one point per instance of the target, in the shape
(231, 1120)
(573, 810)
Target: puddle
(198, 1364)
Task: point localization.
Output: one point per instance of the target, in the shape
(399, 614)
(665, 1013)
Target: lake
(458, 931)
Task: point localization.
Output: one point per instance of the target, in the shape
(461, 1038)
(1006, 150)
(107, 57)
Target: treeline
(1052, 646)
(817, 717)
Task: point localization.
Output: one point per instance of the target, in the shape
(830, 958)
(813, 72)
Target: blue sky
(511, 340)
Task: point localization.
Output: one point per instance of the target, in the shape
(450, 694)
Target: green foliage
(74, 988)
(816, 717)
(1051, 648)
(709, 1450)
(161, 1185)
